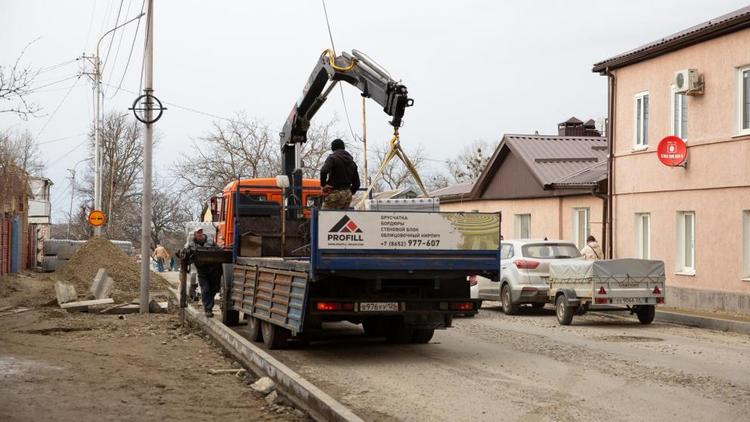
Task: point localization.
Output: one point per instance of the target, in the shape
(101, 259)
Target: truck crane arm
(356, 69)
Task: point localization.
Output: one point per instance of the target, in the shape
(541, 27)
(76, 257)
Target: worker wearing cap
(209, 275)
(339, 177)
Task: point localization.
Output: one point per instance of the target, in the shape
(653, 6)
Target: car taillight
(328, 306)
(657, 291)
(526, 264)
(472, 280)
(462, 306)
(602, 290)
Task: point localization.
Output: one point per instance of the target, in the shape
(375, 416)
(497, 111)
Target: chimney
(575, 127)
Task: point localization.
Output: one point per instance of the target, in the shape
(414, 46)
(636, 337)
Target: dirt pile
(99, 252)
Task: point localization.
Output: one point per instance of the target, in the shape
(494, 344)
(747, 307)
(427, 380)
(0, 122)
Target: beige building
(696, 218)
(544, 185)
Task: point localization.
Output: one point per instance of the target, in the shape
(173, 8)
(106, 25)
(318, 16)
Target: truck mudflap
(271, 294)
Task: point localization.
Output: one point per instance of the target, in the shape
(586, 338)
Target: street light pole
(72, 195)
(97, 120)
(148, 89)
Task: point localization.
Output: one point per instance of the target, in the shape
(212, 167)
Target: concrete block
(264, 385)
(102, 286)
(65, 293)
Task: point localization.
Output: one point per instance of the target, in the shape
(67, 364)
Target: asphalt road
(528, 368)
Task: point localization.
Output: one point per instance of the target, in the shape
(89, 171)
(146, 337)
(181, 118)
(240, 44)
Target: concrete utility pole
(148, 89)
(72, 195)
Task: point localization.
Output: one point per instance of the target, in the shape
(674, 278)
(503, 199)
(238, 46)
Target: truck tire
(507, 300)
(398, 333)
(422, 335)
(646, 313)
(253, 329)
(563, 311)
(274, 337)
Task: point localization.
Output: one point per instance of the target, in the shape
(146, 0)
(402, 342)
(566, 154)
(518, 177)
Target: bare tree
(24, 152)
(245, 148)
(396, 175)
(170, 211)
(470, 163)
(12, 177)
(15, 87)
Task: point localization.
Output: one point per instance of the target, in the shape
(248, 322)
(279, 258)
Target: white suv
(524, 273)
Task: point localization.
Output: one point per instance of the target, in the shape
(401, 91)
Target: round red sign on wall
(672, 151)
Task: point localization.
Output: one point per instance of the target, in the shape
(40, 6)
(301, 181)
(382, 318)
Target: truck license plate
(378, 307)
(628, 300)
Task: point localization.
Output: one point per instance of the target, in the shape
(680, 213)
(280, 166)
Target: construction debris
(234, 371)
(102, 286)
(65, 292)
(84, 304)
(264, 385)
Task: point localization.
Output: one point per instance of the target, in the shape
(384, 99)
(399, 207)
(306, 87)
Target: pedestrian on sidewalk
(160, 256)
(592, 251)
(209, 275)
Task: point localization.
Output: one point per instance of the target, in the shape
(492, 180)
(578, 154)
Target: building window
(744, 101)
(522, 226)
(686, 242)
(643, 235)
(641, 120)
(679, 115)
(746, 245)
(580, 226)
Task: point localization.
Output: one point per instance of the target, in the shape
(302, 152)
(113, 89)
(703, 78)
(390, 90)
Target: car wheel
(274, 337)
(508, 306)
(563, 311)
(253, 329)
(422, 335)
(646, 314)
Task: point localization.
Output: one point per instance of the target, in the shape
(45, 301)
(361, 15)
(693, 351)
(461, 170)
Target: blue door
(16, 244)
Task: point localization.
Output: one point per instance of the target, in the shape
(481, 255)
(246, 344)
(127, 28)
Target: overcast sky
(476, 69)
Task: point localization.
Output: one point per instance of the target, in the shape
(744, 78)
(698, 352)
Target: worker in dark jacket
(339, 177)
(209, 275)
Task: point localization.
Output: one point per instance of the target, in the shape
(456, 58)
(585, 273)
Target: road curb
(703, 322)
(319, 405)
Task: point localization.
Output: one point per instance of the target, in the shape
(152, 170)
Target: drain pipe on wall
(609, 202)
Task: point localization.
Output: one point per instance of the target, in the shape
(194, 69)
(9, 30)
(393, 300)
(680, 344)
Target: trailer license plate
(378, 307)
(629, 300)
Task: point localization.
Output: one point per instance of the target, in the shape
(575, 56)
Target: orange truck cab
(263, 195)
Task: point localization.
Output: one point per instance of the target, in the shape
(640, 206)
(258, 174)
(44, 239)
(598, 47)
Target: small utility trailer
(637, 284)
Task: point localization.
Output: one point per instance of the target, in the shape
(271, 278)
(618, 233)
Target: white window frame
(587, 231)
(640, 131)
(746, 245)
(674, 109)
(642, 246)
(518, 226)
(682, 267)
(740, 106)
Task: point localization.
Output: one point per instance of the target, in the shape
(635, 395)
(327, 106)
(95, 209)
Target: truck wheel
(398, 333)
(253, 329)
(563, 311)
(646, 314)
(274, 337)
(508, 306)
(229, 317)
(422, 335)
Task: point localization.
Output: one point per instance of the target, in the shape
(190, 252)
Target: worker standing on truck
(209, 275)
(339, 178)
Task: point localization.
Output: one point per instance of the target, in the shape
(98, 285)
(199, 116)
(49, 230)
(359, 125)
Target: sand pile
(99, 252)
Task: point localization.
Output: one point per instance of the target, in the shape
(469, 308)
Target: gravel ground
(527, 367)
(79, 367)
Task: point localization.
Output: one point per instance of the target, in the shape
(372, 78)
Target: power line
(34, 89)
(60, 159)
(55, 66)
(58, 107)
(130, 54)
(52, 141)
(112, 37)
(91, 24)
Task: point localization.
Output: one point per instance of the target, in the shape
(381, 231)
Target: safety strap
(394, 151)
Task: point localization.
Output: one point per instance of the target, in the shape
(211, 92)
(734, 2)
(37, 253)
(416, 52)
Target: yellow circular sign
(97, 218)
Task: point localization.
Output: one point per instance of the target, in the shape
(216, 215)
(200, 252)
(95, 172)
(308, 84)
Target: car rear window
(551, 251)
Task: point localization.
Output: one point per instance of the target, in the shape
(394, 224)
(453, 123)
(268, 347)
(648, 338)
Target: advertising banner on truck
(408, 230)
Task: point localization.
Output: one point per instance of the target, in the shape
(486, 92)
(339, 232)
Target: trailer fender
(571, 299)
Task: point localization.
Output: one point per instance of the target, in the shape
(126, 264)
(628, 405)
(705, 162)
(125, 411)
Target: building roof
(588, 177)
(395, 193)
(731, 22)
(456, 191)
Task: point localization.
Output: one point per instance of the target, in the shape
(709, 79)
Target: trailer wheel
(253, 328)
(563, 311)
(422, 335)
(229, 317)
(274, 337)
(646, 313)
(508, 306)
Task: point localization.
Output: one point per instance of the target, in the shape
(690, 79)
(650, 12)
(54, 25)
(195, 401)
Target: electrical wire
(52, 141)
(341, 88)
(112, 37)
(55, 66)
(58, 107)
(91, 24)
(119, 43)
(64, 156)
(130, 54)
(36, 88)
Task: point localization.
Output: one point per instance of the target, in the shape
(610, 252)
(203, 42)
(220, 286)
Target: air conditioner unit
(687, 81)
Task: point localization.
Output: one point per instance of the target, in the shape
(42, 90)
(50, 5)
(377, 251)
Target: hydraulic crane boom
(356, 69)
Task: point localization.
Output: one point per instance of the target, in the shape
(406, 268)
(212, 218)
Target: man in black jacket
(339, 177)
